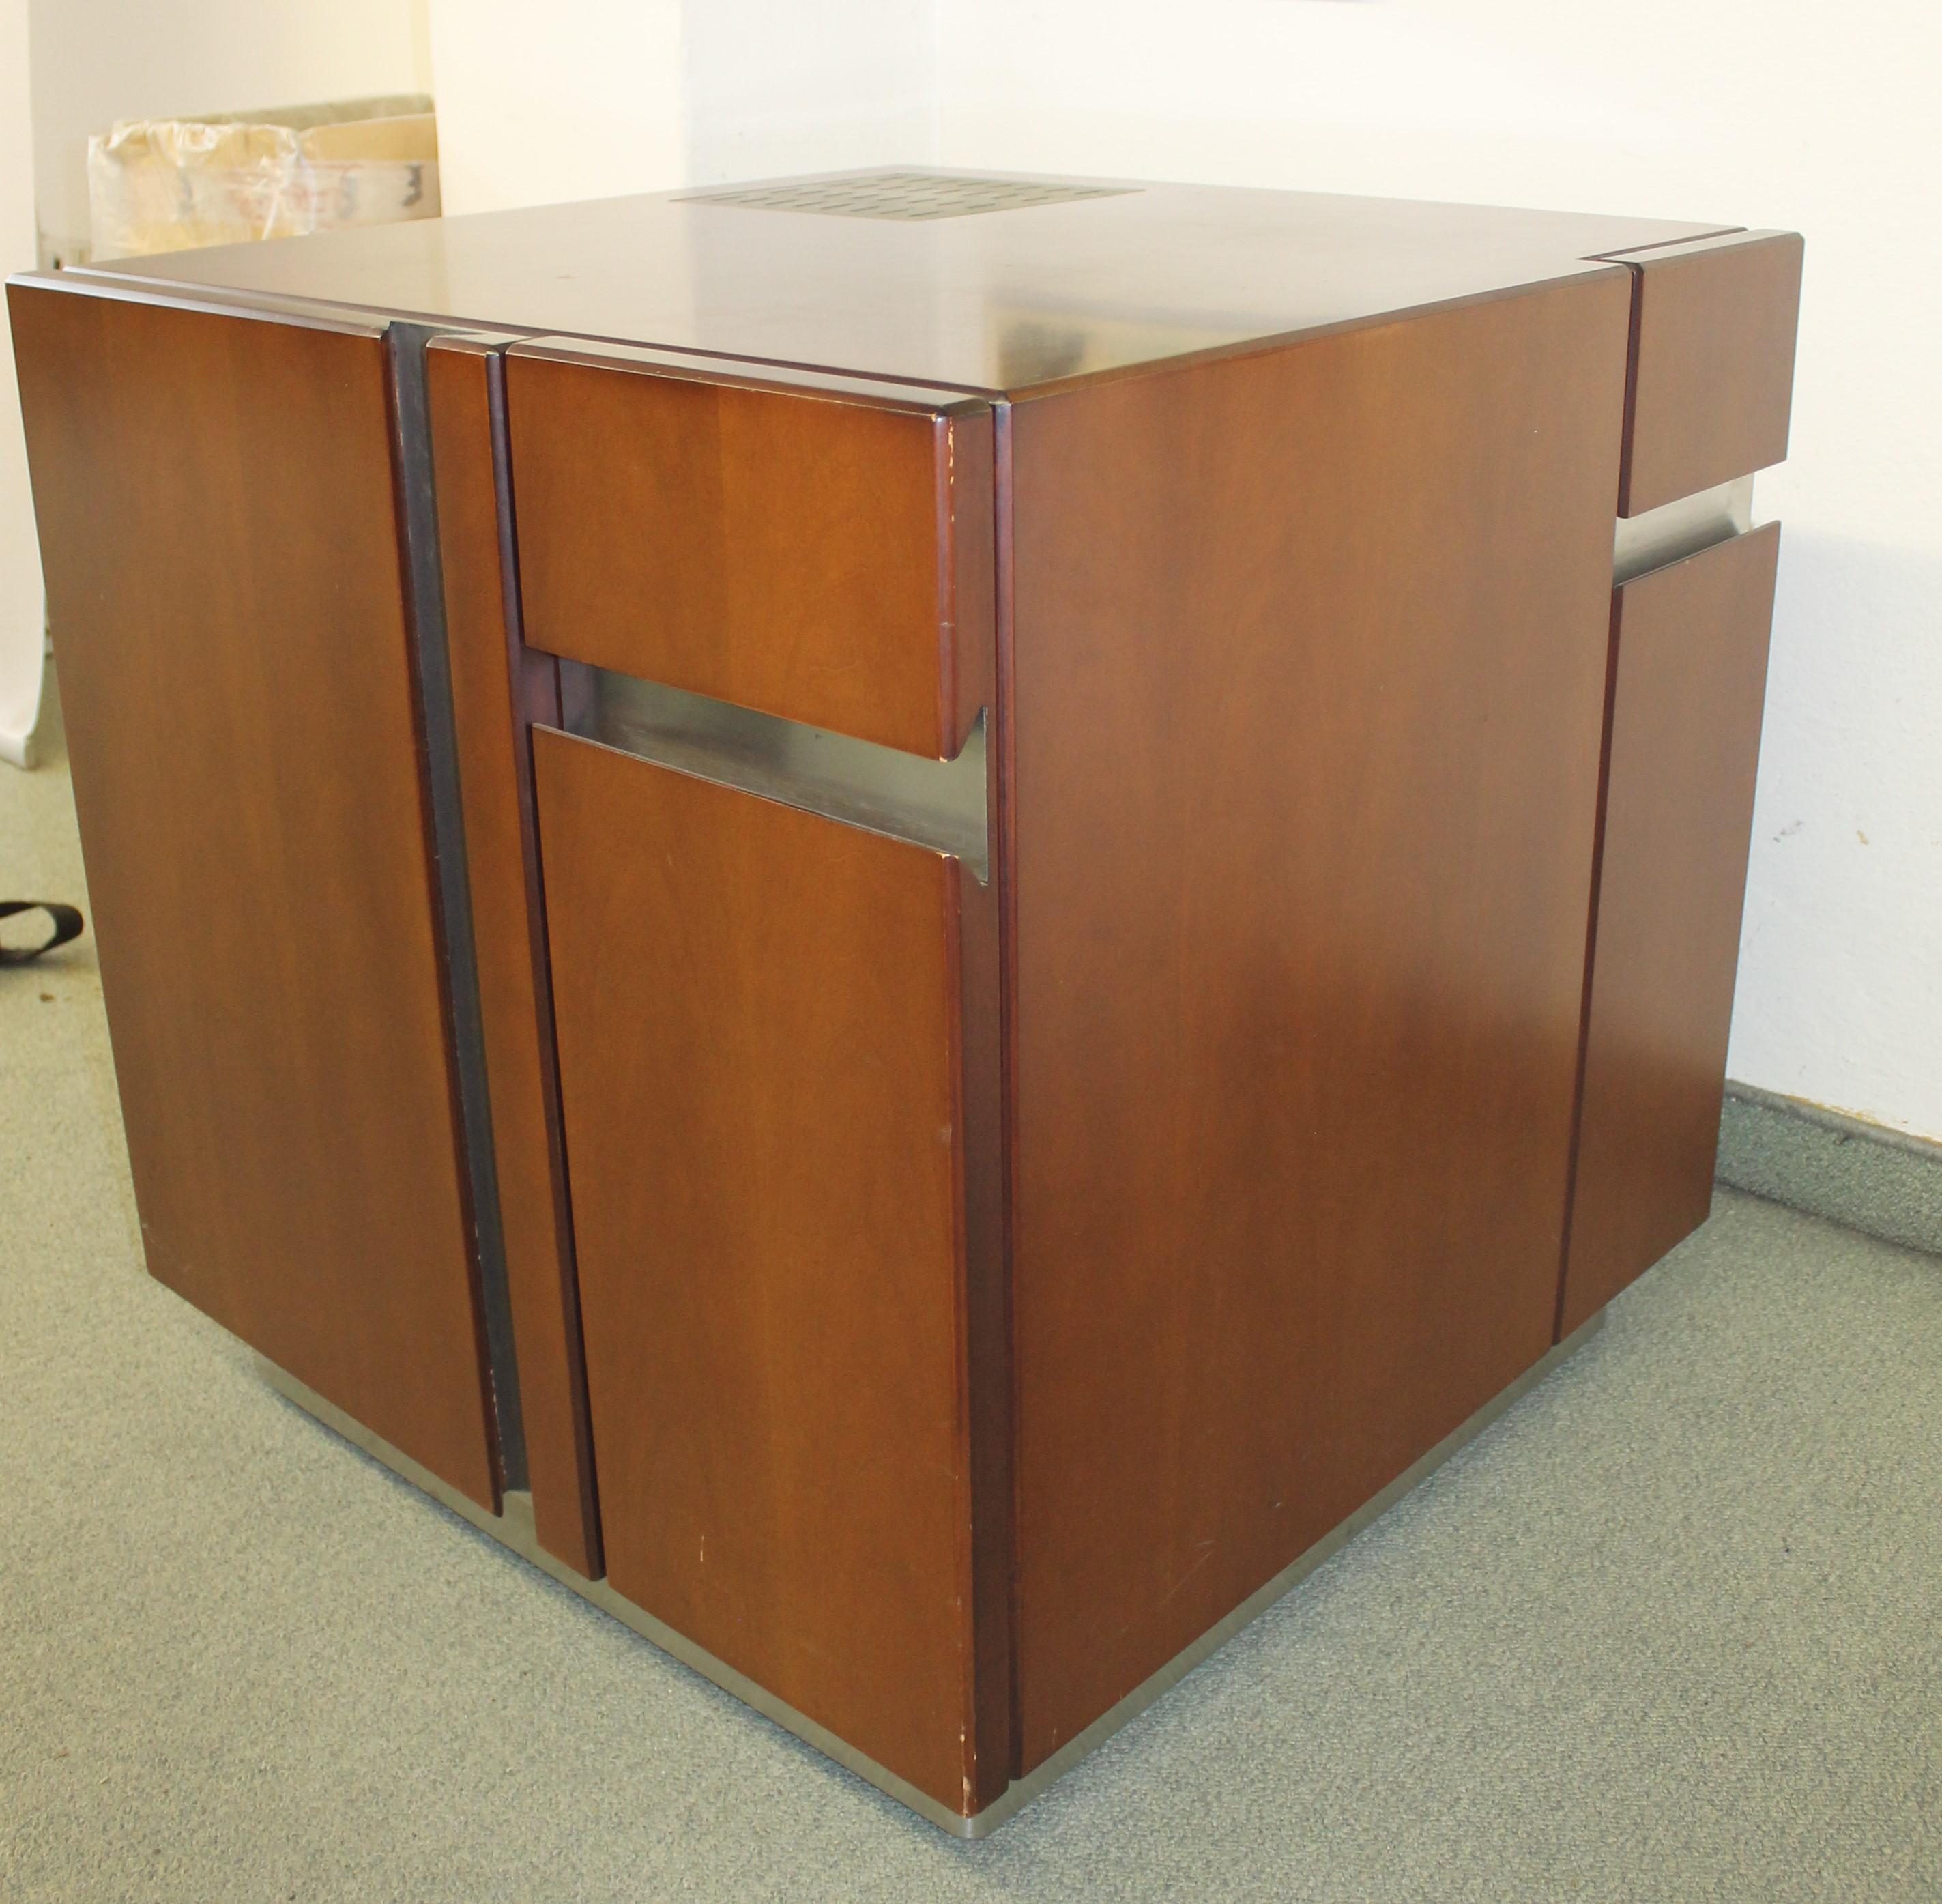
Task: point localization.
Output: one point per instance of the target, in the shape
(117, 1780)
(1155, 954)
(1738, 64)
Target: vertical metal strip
(425, 582)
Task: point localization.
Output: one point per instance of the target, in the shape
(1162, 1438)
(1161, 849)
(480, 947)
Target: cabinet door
(776, 1039)
(219, 526)
(1689, 680)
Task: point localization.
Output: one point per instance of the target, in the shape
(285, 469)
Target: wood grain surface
(1309, 652)
(1690, 648)
(498, 686)
(763, 1062)
(1713, 325)
(1006, 302)
(218, 528)
(790, 551)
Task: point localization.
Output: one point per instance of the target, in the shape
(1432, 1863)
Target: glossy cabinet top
(1032, 295)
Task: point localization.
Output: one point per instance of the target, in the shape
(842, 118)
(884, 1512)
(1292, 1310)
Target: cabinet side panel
(1690, 679)
(759, 1045)
(1309, 658)
(494, 677)
(218, 521)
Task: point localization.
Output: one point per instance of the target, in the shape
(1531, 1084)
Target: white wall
(772, 90)
(1773, 113)
(20, 610)
(605, 97)
(590, 106)
(97, 61)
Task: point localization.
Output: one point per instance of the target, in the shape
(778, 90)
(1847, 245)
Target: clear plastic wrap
(169, 185)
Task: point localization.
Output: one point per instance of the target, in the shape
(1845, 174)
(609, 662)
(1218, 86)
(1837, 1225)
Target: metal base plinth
(513, 1528)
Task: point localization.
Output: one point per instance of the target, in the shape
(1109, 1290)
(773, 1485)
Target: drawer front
(219, 528)
(1689, 681)
(766, 1023)
(1712, 385)
(819, 549)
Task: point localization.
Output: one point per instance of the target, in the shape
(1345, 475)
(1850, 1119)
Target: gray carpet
(1671, 1630)
(1860, 1174)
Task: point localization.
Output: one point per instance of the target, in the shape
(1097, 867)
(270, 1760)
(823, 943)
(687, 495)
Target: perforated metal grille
(910, 196)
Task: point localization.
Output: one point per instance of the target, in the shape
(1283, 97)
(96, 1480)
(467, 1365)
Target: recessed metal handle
(938, 804)
(1675, 530)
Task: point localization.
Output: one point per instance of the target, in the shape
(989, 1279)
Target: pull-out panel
(814, 547)
(777, 1057)
(219, 525)
(1713, 322)
(1689, 645)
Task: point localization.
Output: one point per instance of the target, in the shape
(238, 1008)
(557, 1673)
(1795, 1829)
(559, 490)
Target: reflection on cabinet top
(977, 284)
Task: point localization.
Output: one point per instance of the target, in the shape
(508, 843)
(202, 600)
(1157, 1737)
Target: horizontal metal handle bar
(940, 804)
(1675, 530)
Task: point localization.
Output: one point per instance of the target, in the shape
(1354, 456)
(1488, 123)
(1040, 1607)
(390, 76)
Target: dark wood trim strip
(1590, 963)
(500, 688)
(1002, 783)
(425, 603)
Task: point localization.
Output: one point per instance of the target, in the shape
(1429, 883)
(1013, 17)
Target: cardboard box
(171, 185)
